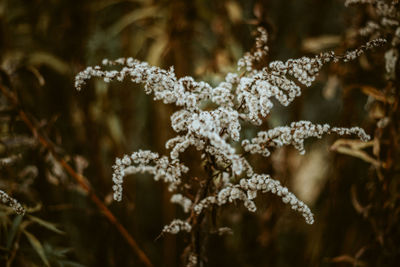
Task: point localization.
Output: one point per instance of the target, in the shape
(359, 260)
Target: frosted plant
(387, 11)
(11, 202)
(385, 23)
(295, 134)
(246, 96)
(176, 226)
(185, 202)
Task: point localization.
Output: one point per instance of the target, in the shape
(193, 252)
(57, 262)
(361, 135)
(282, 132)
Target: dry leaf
(374, 92)
(234, 11)
(348, 259)
(330, 88)
(354, 148)
(320, 43)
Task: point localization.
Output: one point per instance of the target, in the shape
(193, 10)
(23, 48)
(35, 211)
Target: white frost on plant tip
(11, 202)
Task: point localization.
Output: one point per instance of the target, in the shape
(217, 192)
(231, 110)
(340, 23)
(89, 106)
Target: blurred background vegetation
(45, 43)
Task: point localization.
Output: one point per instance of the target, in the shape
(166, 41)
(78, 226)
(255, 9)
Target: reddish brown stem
(82, 182)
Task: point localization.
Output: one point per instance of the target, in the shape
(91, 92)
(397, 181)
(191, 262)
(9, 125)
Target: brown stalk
(82, 182)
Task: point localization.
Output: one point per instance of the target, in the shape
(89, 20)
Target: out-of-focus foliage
(43, 44)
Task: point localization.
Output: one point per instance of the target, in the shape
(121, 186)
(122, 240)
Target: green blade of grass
(37, 246)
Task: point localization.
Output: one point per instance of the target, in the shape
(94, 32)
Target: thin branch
(82, 182)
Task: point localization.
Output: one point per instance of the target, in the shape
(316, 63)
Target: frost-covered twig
(247, 190)
(140, 162)
(295, 134)
(176, 226)
(12, 203)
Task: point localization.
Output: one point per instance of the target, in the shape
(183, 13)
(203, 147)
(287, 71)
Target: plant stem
(82, 182)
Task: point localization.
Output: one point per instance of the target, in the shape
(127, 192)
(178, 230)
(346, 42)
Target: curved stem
(82, 182)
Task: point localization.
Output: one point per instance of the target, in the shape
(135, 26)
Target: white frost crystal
(185, 202)
(176, 226)
(5, 199)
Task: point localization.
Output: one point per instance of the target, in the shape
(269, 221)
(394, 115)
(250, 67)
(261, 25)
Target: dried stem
(82, 182)
(198, 220)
